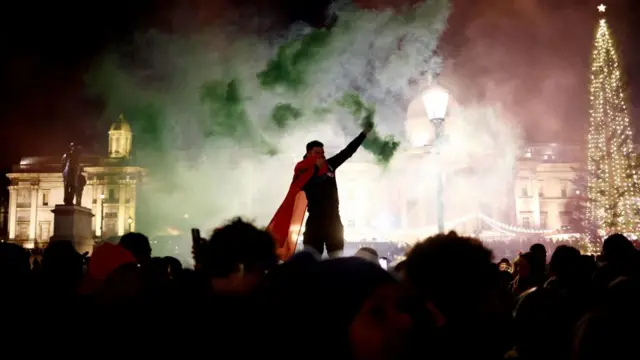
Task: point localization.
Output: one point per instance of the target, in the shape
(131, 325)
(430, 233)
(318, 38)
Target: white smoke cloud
(386, 57)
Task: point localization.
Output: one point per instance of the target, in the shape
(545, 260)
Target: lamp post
(102, 216)
(130, 221)
(435, 102)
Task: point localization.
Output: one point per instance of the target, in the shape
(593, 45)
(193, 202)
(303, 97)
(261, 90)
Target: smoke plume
(221, 116)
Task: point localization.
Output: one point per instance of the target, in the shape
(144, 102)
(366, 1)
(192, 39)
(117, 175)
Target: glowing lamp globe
(435, 103)
(418, 128)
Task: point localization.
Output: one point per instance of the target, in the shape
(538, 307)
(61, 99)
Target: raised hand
(367, 120)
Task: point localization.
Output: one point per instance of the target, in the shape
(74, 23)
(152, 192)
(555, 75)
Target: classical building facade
(545, 183)
(399, 203)
(36, 187)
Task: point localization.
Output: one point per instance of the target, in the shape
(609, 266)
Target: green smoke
(225, 107)
(294, 61)
(284, 114)
(289, 70)
(195, 97)
(383, 148)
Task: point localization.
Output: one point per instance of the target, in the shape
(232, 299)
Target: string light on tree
(612, 189)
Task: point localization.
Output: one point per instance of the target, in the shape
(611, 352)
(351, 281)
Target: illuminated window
(526, 222)
(24, 198)
(22, 230)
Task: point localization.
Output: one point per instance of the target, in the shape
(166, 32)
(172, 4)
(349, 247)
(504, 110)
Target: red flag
(286, 224)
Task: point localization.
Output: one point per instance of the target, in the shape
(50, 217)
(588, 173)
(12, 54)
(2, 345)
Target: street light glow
(435, 103)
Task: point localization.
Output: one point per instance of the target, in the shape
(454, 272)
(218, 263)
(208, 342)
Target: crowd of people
(449, 299)
(513, 247)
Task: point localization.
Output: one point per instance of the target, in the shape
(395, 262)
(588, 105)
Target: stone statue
(71, 173)
(82, 181)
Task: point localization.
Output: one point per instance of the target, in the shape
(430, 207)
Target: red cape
(286, 224)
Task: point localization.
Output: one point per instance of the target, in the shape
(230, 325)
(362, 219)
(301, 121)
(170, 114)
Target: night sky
(530, 55)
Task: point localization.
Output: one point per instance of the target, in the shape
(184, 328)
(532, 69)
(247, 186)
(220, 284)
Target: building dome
(120, 137)
(120, 125)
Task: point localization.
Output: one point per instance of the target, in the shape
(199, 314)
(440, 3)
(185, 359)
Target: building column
(98, 191)
(122, 221)
(536, 203)
(12, 216)
(132, 206)
(34, 211)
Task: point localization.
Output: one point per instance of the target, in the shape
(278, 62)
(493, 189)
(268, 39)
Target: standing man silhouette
(314, 189)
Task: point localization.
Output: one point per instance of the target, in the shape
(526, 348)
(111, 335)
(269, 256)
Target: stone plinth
(73, 223)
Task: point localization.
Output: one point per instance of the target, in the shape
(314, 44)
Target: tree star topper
(602, 8)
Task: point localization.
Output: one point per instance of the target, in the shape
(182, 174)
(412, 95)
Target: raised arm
(339, 158)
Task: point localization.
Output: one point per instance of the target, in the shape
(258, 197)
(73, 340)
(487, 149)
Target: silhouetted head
(368, 253)
(238, 254)
(357, 306)
(539, 251)
(524, 263)
(617, 248)
(14, 260)
(138, 245)
(315, 148)
(60, 258)
(455, 272)
(175, 266)
(565, 262)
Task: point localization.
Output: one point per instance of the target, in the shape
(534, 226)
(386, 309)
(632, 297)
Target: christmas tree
(612, 174)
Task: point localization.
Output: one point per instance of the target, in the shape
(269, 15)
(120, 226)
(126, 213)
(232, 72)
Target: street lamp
(130, 221)
(102, 216)
(435, 102)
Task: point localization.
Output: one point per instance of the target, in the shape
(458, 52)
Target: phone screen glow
(383, 263)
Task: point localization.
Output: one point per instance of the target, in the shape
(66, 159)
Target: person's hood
(106, 258)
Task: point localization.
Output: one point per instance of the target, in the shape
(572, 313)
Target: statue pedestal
(73, 223)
